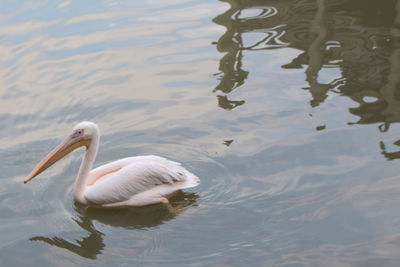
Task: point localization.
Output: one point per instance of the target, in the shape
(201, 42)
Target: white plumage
(134, 176)
(133, 181)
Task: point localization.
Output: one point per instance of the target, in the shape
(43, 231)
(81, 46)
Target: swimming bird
(132, 181)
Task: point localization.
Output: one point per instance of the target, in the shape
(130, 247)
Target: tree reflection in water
(92, 245)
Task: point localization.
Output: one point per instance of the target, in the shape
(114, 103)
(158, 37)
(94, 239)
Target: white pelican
(133, 181)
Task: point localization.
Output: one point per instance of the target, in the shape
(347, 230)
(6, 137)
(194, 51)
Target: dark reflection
(232, 75)
(390, 155)
(130, 218)
(359, 38)
(228, 142)
(317, 55)
(225, 103)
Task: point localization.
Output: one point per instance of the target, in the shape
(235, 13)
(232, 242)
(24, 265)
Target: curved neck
(85, 168)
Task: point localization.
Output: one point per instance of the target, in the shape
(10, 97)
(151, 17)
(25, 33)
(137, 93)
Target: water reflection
(232, 75)
(359, 39)
(316, 52)
(390, 155)
(92, 245)
(309, 196)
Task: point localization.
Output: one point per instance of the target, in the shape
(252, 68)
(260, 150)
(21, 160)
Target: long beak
(59, 152)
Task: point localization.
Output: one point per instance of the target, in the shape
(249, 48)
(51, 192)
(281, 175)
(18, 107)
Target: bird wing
(139, 175)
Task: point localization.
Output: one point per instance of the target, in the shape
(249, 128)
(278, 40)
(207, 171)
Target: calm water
(288, 111)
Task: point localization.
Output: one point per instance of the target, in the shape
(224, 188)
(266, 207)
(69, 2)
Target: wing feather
(131, 176)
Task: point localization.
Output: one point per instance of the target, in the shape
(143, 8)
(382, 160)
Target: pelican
(132, 181)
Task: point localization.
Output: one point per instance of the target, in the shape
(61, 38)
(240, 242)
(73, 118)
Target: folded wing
(133, 176)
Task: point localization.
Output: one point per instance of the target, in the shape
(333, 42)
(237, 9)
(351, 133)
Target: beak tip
(25, 182)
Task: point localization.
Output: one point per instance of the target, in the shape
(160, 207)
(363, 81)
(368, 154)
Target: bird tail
(191, 180)
(185, 177)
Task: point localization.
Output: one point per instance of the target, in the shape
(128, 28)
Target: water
(288, 111)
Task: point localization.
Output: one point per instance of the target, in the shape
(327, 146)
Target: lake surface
(288, 111)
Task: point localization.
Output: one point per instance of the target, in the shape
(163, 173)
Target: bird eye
(77, 133)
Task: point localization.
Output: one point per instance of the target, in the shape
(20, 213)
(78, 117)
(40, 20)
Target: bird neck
(84, 170)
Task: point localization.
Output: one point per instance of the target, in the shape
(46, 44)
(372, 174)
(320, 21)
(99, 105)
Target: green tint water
(288, 111)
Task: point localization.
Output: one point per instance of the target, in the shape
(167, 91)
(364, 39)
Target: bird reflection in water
(133, 218)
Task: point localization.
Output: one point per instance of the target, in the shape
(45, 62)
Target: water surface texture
(288, 111)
